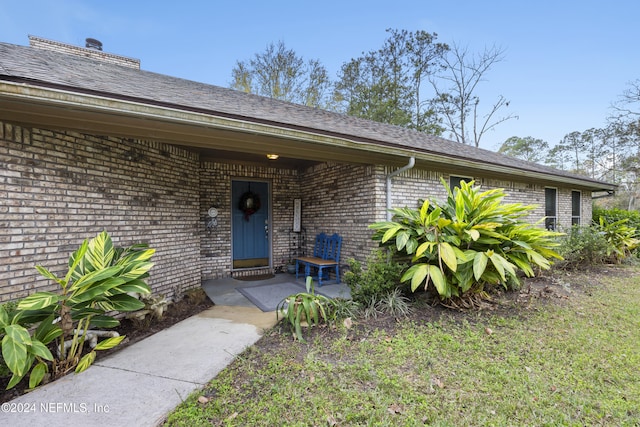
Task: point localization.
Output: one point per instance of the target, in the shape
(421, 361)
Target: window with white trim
(550, 208)
(576, 207)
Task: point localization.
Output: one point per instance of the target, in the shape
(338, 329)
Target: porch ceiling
(283, 161)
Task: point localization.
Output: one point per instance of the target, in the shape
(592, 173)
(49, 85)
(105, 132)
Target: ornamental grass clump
(468, 243)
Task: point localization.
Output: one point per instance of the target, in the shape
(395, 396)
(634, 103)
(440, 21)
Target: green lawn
(569, 362)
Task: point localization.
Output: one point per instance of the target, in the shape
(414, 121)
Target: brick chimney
(93, 51)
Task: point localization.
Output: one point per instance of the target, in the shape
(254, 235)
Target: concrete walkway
(141, 384)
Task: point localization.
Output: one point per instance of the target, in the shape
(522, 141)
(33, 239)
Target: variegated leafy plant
(620, 238)
(305, 307)
(99, 282)
(472, 240)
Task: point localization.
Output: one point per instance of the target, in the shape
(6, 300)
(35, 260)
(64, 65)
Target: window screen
(454, 181)
(575, 207)
(550, 209)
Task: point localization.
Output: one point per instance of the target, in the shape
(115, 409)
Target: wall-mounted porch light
(272, 156)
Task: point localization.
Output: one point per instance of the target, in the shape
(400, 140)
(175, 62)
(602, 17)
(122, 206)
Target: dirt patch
(557, 288)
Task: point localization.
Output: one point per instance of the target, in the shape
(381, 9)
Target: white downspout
(412, 162)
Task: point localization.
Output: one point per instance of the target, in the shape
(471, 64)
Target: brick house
(90, 142)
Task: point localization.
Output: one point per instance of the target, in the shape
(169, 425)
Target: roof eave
(142, 119)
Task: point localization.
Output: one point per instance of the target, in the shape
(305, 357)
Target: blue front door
(250, 223)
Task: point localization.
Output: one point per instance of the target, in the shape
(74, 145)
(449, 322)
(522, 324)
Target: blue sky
(565, 62)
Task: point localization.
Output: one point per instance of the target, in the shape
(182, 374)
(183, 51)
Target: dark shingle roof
(79, 74)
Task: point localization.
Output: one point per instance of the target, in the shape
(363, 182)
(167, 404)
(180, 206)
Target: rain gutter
(411, 164)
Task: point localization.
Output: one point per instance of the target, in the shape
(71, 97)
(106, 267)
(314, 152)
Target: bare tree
(280, 73)
(629, 134)
(458, 103)
(625, 122)
(628, 104)
(616, 145)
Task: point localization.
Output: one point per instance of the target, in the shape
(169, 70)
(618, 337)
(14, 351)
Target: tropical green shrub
(6, 307)
(308, 307)
(611, 239)
(582, 246)
(620, 237)
(98, 282)
(382, 275)
(611, 216)
(614, 215)
(20, 350)
(470, 241)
